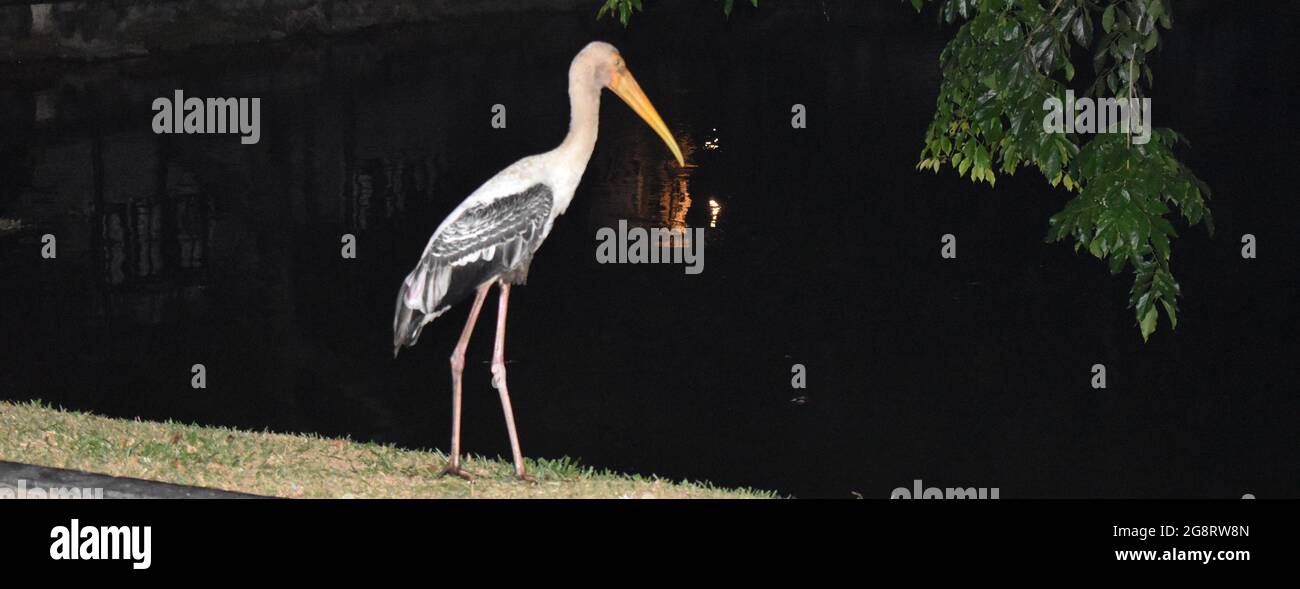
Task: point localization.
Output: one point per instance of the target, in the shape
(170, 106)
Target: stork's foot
(525, 477)
(455, 470)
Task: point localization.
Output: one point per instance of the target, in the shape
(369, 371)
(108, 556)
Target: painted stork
(491, 237)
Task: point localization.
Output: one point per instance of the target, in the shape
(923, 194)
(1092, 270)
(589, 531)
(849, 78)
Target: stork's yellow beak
(624, 85)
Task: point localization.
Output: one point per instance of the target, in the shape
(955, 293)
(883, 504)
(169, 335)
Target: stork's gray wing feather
(477, 246)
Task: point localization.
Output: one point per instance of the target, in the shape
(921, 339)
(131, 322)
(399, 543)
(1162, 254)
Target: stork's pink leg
(499, 381)
(457, 367)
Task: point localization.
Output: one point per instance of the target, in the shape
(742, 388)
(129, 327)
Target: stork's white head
(596, 62)
(600, 65)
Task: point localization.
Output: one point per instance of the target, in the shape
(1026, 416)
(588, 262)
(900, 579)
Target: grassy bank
(297, 465)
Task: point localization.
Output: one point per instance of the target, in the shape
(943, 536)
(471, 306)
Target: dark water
(821, 249)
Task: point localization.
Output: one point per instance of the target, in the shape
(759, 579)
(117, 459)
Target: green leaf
(1148, 324)
(1171, 312)
(1108, 19)
(1151, 41)
(1156, 10)
(1082, 29)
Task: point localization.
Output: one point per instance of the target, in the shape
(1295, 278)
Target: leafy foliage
(1006, 60)
(623, 9)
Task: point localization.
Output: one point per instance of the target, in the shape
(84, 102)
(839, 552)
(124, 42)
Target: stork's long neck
(584, 118)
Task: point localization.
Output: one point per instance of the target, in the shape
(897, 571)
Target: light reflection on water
(641, 185)
(644, 187)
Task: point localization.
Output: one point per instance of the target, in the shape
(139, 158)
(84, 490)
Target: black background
(972, 372)
(521, 542)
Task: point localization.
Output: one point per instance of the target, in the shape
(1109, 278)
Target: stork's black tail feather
(406, 324)
(490, 241)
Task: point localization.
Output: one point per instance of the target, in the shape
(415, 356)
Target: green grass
(286, 465)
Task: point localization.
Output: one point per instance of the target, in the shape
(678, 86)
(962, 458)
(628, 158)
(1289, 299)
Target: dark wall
(98, 30)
